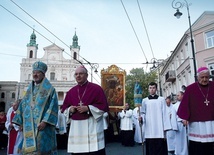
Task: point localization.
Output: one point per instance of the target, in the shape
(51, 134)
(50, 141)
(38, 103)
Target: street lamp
(94, 66)
(176, 5)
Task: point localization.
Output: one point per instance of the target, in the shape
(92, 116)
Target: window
(29, 76)
(75, 56)
(31, 54)
(211, 68)
(182, 56)
(52, 76)
(177, 62)
(13, 95)
(2, 95)
(210, 39)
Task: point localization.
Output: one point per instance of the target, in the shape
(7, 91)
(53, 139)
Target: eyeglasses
(80, 74)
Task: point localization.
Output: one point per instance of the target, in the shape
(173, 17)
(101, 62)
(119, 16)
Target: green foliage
(138, 74)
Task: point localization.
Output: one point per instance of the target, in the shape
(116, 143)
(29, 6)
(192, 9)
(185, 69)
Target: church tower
(32, 47)
(75, 48)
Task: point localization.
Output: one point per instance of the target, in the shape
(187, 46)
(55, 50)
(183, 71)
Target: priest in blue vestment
(37, 115)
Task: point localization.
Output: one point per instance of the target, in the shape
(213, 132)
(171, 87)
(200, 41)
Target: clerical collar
(36, 84)
(83, 83)
(153, 97)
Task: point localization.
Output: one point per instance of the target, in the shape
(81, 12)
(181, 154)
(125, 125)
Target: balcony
(170, 76)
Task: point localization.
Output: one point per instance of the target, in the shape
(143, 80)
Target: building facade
(7, 94)
(60, 71)
(178, 70)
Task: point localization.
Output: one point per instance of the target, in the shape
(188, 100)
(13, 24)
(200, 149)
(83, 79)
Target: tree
(138, 74)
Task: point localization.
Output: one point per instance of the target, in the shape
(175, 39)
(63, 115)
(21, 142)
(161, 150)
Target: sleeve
(51, 115)
(129, 113)
(143, 111)
(18, 118)
(99, 97)
(183, 109)
(67, 115)
(7, 123)
(96, 113)
(105, 114)
(66, 103)
(174, 119)
(165, 117)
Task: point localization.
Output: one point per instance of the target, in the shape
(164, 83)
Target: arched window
(13, 95)
(52, 76)
(75, 56)
(3, 95)
(31, 54)
(29, 76)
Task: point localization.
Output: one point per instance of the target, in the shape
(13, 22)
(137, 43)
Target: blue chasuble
(39, 104)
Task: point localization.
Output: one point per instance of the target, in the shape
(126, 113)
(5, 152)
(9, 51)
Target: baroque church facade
(60, 70)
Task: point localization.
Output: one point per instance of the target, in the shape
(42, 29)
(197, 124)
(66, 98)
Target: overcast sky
(105, 34)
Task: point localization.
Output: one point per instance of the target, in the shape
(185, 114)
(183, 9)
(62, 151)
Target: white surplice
(181, 143)
(201, 131)
(154, 111)
(86, 135)
(126, 122)
(61, 123)
(105, 123)
(139, 128)
(172, 122)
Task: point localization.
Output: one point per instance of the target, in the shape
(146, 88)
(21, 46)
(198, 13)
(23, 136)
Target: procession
(34, 124)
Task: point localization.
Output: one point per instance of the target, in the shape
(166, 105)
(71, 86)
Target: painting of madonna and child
(113, 84)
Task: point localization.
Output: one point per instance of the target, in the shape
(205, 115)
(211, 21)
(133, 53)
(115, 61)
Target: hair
(181, 92)
(1, 110)
(168, 97)
(153, 84)
(183, 87)
(83, 67)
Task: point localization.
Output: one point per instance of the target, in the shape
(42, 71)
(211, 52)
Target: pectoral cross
(80, 103)
(206, 102)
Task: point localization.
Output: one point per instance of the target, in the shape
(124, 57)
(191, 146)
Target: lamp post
(94, 66)
(154, 61)
(176, 5)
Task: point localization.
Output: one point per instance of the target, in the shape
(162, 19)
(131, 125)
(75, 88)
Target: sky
(105, 35)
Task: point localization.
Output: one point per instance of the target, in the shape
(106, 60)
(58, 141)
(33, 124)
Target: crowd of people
(35, 123)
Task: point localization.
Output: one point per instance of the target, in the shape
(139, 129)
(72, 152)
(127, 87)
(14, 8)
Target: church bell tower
(75, 48)
(32, 47)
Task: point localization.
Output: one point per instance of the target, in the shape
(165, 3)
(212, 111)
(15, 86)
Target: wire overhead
(53, 35)
(134, 31)
(145, 29)
(46, 29)
(42, 34)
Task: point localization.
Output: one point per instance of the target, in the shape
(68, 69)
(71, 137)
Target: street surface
(113, 148)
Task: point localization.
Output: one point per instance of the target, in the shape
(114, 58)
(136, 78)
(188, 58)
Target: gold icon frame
(113, 84)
